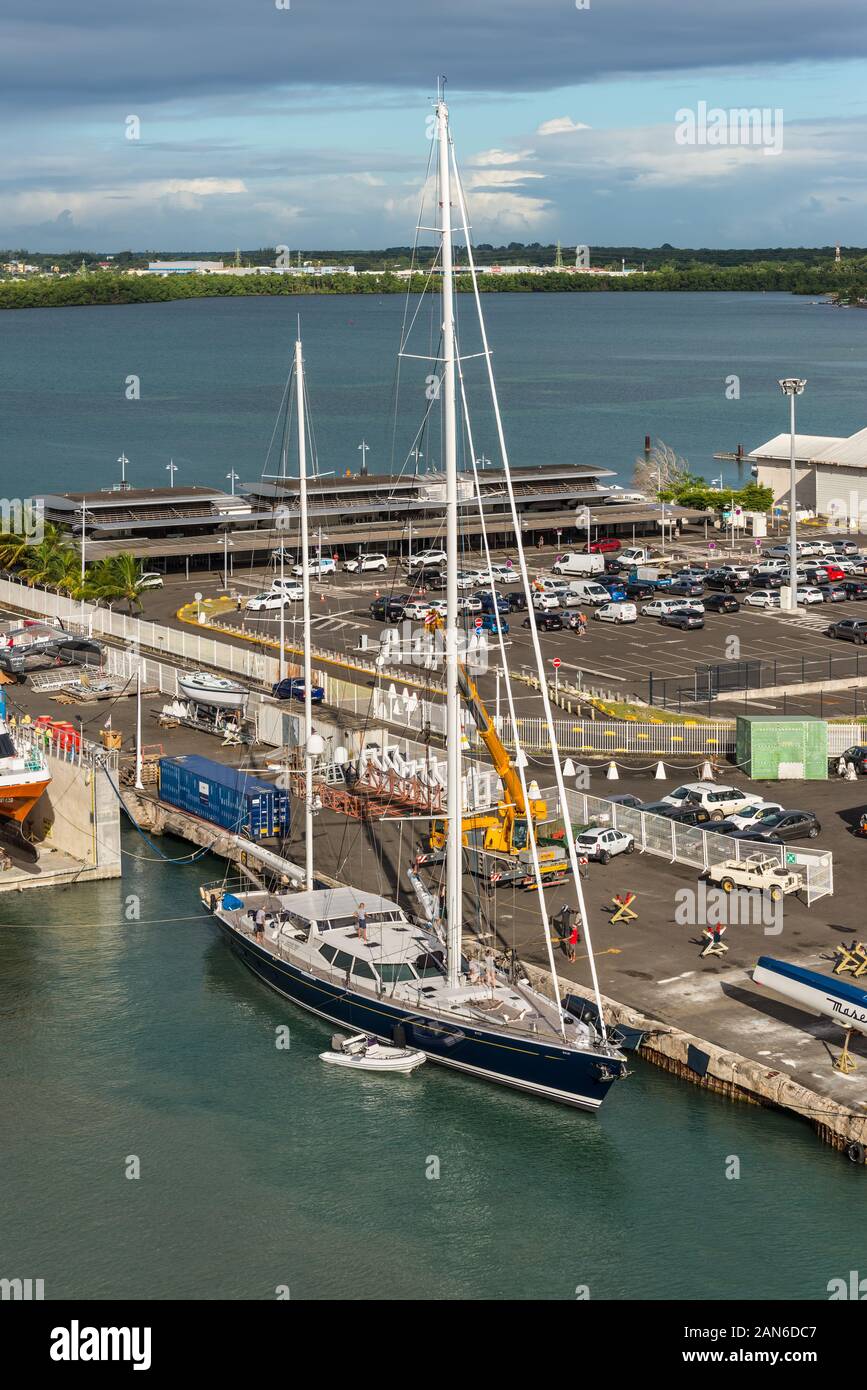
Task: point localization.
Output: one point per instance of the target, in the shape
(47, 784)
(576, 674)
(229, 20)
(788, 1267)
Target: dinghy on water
(363, 1053)
(215, 691)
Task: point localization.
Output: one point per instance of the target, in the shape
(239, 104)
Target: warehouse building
(830, 474)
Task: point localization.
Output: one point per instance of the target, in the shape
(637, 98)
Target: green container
(776, 748)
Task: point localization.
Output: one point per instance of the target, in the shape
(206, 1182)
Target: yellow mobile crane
(503, 831)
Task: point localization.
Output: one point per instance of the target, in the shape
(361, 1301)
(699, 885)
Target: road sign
(556, 663)
(508, 564)
(477, 623)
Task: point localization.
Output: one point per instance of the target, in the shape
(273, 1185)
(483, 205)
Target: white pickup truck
(757, 871)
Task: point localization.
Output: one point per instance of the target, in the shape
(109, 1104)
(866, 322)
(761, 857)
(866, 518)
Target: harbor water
(160, 1139)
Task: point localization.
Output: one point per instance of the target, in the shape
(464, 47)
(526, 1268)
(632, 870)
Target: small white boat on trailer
(363, 1053)
(205, 689)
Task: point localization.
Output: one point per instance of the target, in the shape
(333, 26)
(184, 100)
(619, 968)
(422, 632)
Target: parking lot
(642, 660)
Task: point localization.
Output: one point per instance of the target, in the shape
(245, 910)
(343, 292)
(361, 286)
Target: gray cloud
(99, 51)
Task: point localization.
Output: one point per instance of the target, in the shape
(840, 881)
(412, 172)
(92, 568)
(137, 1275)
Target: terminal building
(830, 473)
(172, 528)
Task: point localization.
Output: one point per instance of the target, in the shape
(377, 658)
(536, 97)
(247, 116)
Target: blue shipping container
(236, 800)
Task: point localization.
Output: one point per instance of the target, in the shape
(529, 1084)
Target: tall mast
(305, 583)
(454, 903)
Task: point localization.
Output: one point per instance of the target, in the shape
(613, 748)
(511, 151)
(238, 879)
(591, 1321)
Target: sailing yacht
(357, 958)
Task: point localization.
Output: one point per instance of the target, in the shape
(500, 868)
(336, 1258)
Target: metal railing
(693, 845)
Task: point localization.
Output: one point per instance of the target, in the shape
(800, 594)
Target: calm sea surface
(147, 1040)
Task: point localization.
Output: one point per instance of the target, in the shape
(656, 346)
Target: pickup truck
(757, 871)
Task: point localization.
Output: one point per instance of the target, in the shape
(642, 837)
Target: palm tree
(116, 577)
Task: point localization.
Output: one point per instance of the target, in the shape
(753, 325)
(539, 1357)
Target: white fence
(692, 844)
(613, 736)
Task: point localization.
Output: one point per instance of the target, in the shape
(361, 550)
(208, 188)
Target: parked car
(616, 613)
(721, 603)
(490, 621)
(772, 580)
(487, 600)
(468, 579)
(724, 579)
(262, 602)
(682, 815)
(503, 574)
(319, 565)
(757, 871)
(831, 571)
(517, 601)
(856, 755)
(604, 545)
(688, 588)
(361, 563)
(684, 618)
(810, 594)
(603, 844)
(615, 587)
(855, 588)
(627, 799)
(849, 630)
(389, 610)
(293, 689)
(151, 579)
(782, 827)
(751, 815)
(426, 558)
(545, 622)
(833, 593)
(843, 547)
(658, 606)
(469, 603)
(545, 602)
(767, 565)
(639, 588)
(419, 607)
(721, 800)
(762, 598)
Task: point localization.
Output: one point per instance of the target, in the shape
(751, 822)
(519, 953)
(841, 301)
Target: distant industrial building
(830, 473)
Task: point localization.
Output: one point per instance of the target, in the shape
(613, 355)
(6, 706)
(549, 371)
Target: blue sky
(306, 126)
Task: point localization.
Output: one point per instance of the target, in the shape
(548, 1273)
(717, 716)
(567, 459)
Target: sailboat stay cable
(533, 630)
(520, 761)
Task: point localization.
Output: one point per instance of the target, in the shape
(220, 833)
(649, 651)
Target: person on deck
(361, 922)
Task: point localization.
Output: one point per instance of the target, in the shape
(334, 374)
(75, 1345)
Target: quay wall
(724, 1072)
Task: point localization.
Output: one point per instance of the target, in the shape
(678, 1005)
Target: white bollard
(851, 774)
(612, 774)
(706, 771)
(659, 774)
(568, 768)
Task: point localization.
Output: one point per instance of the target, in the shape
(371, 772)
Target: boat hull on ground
(17, 799)
(565, 1075)
(225, 696)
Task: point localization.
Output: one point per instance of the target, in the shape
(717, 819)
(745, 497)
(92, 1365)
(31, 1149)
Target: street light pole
(793, 386)
(171, 469)
(233, 479)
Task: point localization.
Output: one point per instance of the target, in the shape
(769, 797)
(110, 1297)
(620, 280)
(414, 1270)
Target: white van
(588, 591)
(635, 555)
(617, 613)
(574, 563)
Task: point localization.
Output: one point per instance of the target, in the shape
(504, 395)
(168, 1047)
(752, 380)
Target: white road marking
(671, 979)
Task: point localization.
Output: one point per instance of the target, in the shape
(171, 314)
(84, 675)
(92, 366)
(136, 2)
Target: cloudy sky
(303, 122)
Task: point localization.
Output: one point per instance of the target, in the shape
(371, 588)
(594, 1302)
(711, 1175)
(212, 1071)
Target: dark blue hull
(542, 1069)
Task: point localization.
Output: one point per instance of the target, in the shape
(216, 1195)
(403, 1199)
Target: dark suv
(388, 610)
(728, 582)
